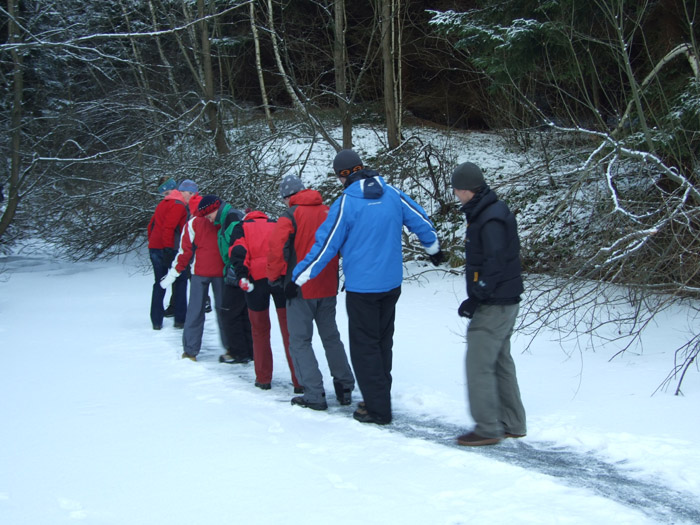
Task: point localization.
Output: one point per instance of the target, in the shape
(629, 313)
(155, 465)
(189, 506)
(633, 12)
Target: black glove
(230, 278)
(168, 256)
(437, 258)
(467, 308)
(291, 290)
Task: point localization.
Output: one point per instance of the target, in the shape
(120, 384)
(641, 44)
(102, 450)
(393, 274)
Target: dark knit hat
(208, 204)
(347, 159)
(188, 185)
(290, 185)
(468, 176)
(169, 184)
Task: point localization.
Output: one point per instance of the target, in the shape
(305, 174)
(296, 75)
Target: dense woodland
(100, 100)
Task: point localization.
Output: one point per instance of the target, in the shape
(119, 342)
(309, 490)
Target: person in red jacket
(199, 248)
(248, 256)
(314, 301)
(164, 231)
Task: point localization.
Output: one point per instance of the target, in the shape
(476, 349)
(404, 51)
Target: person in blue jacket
(365, 226)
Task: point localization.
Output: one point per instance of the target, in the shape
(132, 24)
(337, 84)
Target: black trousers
(235, 324)
(371, 333)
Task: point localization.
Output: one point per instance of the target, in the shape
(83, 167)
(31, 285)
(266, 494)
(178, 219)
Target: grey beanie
(188, 185)
(290, 185)
(468, 176)
(346, 159)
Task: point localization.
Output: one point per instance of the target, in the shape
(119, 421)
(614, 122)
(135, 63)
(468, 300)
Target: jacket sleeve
(330, 237)
(276, 263)
(417, 221)
(238, 251)
(186, 250)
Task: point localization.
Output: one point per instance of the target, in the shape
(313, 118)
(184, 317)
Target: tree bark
(387, 26)
(340, 63)
(16, 119)
(258, 67)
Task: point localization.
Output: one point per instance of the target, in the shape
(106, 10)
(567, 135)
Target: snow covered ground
(103, 423)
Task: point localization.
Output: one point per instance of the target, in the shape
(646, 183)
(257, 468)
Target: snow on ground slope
(103, 423)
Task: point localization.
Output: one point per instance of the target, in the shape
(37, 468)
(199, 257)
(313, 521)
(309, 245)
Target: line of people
(249, 258)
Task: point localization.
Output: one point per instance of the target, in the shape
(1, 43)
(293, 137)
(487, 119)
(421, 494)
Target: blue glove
(467, 308)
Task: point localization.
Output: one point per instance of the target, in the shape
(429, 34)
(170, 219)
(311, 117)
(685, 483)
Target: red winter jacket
(200, 247)
(305, 214)
(250, 244)
(166, 225)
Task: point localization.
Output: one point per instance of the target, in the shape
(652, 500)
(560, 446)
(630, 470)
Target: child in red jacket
(200, 249)
(248, 255)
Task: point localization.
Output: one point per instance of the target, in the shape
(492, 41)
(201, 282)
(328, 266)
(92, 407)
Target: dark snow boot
(300, 401)
(343, 395)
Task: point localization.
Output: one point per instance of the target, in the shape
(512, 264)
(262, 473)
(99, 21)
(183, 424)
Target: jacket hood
(367, 184)
(255, 214)
(306, 198)
(174, 195)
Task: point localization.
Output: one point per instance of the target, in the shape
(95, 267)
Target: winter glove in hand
(291, 290)
(245, 285)
(169, 278)
(437, 258)
(467, 308)
(230, 278)
(168, 256)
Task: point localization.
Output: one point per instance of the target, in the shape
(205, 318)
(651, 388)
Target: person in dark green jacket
(235, 324)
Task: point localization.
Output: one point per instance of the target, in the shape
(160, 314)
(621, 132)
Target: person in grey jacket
(494, 285)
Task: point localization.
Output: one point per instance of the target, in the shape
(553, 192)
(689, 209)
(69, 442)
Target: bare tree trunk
(171, 78)
(258, 67)
(387, 25)
(211, 109)
(340, 63)
(16, 119)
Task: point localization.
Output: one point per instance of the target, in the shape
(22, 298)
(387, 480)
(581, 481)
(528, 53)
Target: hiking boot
(233, 359)
(157, 327)
(343, 395)
(298, 389)
(185, 355)
(169, 311)
(179, 326)
(514, 436)
(207, 305)
(263, 386)
(300, 401)
(472, 439)
(363, 416)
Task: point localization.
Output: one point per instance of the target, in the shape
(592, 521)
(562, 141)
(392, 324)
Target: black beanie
(346, 159)
(468, 176)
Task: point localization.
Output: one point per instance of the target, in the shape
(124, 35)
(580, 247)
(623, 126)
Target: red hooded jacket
(250, 243)
(166, 225)
(293, 238)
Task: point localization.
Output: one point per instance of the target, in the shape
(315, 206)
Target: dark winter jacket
(365, 225)
(199, 247)
(492, 250)
(166, 225)
(293, 238)
(251, 243)
(226, 219)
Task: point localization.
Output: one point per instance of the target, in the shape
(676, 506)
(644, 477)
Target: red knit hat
(208, 204)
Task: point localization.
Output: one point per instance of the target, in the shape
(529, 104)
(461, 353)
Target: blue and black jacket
(365, 226)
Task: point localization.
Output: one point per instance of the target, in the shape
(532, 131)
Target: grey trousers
(492, 386)
(194, 321)
(301, 314)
